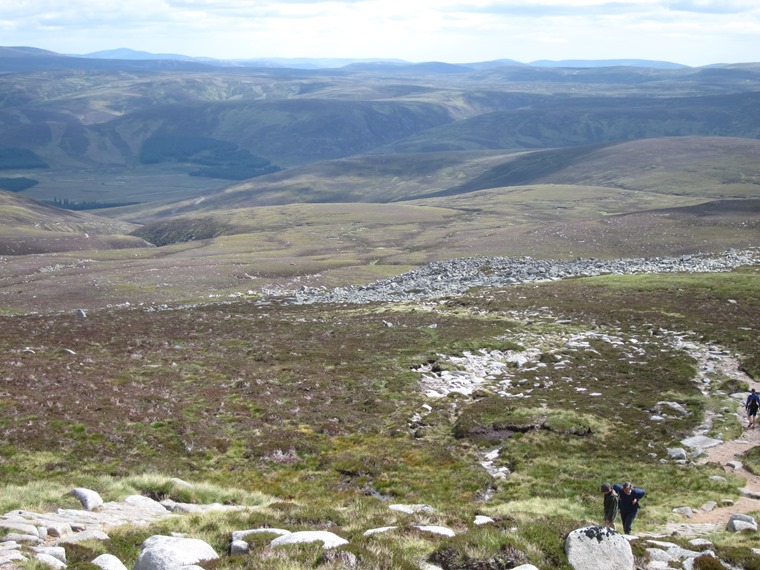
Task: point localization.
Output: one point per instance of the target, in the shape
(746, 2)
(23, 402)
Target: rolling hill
(28, 227)
(262, 176)
(213, 362)
(698, 167)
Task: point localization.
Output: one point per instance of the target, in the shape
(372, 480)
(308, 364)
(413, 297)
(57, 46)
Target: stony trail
(728, 454)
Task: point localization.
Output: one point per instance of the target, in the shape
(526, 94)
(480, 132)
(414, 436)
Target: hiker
(628, 501)
(610, 505)
(753, 403)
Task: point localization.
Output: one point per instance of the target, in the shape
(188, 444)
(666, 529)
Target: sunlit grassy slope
(622, 200)
(706, 168)
(29, 227)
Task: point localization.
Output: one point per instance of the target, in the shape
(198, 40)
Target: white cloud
(690, 31)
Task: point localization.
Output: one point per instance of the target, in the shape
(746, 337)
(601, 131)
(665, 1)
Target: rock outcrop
(598, 548)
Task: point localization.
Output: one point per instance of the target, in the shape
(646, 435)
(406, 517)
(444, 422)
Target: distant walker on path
(752, 405)
(629, 497)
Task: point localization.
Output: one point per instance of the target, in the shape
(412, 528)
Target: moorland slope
(514, 401)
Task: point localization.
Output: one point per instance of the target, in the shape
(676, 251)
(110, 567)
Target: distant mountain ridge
(326, 63)
(128, 54)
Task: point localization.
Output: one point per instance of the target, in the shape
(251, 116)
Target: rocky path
(728, 454)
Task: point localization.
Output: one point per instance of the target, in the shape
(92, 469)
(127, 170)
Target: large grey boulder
(90, 499)
(598, 548)
(172, 553)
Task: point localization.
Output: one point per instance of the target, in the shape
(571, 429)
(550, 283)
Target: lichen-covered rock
(598, 548)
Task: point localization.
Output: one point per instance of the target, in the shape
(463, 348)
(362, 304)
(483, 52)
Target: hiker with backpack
(752, 405)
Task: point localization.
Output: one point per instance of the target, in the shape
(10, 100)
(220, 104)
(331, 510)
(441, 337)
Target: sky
(690, 32)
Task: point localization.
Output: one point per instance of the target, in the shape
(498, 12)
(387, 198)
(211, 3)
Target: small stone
(436, 530)
(678, 453)
(328, 539)
(380, 530)
(685, 511)
(239, 547)
(411, 509)
(109, 562)
(241, 534)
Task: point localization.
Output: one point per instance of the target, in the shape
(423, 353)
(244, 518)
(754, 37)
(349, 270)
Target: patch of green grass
(751, 460)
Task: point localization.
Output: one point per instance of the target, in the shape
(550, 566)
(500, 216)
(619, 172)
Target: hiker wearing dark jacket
(628, 497)
(752, 405)
(610, 505)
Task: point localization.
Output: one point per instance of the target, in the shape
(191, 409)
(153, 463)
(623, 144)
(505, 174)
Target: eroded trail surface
(729, 455)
